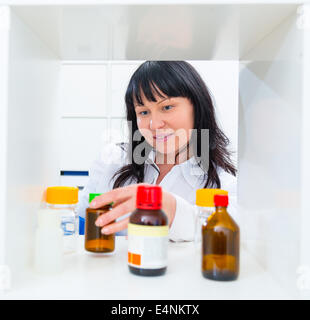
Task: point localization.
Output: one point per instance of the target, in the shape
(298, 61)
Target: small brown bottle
(148, 234)
(220, 244)
(95, 241)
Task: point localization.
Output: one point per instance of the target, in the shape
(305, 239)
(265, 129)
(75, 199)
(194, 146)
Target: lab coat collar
(190, 167)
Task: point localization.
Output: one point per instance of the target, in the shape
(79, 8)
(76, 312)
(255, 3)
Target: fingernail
(98, 222)
(93, 204)
(105, 230)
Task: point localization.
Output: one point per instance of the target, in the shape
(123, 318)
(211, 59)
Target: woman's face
(167, 123)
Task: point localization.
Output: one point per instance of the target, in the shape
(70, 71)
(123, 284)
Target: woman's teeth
(162, 137)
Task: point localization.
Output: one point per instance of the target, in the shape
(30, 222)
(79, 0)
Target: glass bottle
(220, 244)
(205, 207)
(95, 241)
(63, 201)
(148, 234)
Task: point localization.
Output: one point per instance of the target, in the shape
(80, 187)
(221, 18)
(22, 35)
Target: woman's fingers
(124, 199)
(116, 212)
(115, 195)
(115, 227)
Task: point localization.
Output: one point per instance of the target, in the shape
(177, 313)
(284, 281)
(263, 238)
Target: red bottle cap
(220, 200)
(149, 197)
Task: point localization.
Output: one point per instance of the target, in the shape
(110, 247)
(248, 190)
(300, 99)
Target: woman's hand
(124, 202)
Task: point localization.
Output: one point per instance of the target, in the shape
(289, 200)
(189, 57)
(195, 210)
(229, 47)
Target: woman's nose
(156, 123)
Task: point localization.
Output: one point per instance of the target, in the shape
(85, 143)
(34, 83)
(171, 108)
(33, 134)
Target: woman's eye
(168, 107)
(143, 113)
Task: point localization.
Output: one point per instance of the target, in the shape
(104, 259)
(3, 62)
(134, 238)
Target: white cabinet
(93, 111)
(120, 76)
(270, 45)
(81, 140)
(94, 90)
(87, 102)
(118, 130)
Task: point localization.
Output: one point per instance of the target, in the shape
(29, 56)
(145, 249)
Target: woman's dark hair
(175, 79)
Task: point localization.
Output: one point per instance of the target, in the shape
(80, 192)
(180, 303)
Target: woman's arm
(181, 213)
(183, 225)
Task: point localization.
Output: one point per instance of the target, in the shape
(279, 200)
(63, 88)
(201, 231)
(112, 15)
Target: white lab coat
(182, 181)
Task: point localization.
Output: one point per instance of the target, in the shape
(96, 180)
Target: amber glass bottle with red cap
(148, 233)
(220, 244)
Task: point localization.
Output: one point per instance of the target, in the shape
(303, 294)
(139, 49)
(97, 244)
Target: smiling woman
(175, 142)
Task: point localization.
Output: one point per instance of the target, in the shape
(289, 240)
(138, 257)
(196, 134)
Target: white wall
(32, 124)
(304, 271)
(270, 119)
(93, 109)
(4, 52)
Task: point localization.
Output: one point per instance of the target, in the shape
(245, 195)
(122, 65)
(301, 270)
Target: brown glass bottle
(148, 225)
(220, 244)
(95, 241)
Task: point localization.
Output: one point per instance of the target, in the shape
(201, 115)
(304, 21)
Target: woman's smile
(161, 137)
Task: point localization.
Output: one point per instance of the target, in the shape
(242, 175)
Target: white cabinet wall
(29, 144)
(83, 90)
(4, 58)
(92, 110)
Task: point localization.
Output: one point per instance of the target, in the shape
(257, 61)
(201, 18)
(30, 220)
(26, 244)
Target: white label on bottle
(147, 246)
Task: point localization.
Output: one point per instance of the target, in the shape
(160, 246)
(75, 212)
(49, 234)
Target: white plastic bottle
(48, 242)
(62, 200)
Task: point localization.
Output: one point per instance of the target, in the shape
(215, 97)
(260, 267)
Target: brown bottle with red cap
(148, 234)
(220, 244)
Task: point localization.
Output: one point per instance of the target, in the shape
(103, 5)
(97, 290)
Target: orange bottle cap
(205, 197)
(62, 195)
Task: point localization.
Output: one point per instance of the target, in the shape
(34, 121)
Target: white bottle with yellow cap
(63, 201)
(48, 257)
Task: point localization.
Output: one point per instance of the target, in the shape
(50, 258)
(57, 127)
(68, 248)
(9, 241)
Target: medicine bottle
(205, 207)
(63, 201)
(220, 244)
(148, 234)
(95, 241)
(48, 257)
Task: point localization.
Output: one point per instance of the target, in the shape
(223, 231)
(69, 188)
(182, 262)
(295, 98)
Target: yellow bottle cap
(62, 195)
(205, 197)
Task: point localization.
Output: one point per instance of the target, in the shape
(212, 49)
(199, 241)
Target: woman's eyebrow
(142, 105)
(163, 100)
